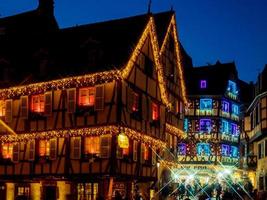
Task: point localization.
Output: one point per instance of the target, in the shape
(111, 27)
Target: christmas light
(175, 131)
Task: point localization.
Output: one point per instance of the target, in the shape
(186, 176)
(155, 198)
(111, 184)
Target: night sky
(210, 30)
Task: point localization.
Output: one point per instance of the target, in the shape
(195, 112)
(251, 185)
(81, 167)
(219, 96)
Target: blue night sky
(210, 30)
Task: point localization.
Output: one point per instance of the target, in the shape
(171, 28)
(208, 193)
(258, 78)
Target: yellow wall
(64, 189)
(10, 191)
(35, 191)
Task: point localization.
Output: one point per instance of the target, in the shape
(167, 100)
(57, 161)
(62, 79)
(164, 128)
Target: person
(117, 195)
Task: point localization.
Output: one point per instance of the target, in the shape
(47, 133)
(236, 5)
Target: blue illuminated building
(212, 119)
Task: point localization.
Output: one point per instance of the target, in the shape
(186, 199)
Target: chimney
(46, 7)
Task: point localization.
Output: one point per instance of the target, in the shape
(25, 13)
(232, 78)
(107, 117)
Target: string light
(175, 131)
(178, 55)
(94, 131)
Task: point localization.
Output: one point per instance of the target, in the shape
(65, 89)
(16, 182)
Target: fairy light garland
(59, 84)
(94, 131)
(150, 30)
(175, 131)
(178, 55)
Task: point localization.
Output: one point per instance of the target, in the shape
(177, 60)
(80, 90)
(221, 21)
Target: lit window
(92, 145)
(145, 152)
(234, 151)
(23, 191)
(232, 87)
(205, 125)
(136, 99)
(203, 149)
(37, 104)
(87, 96)
(186, 125)
(155, 111)
(7, 150)
(225, 106)
(44, 148)
(234, 129)
(235, 109)
(203, 84)
(181, 149)
(225, 126)
(205, 104)
(87, 191)
(2, 108)
(225, 150)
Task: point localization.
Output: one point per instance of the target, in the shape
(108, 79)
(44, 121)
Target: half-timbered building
(88, 110)
(212, 122)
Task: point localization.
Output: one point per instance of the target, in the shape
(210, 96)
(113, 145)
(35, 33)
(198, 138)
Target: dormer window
(87, 96)
(203, 84)
(37, 103)
(155, 112)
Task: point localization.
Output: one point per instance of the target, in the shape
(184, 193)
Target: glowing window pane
(205, 104)
(155, 111)
(181, 149)
(232, 87)
(205, 125)
(2, 108)
(225, 106)
(37, 103)
(7, 150)
(234, 151)
(225, 126)
(87, 96)
(92, 145)
(44, 148)
(203, 149)
(225, 150)
(235, 109)
(234, 129)
(203, 84)
(146, 152)
(186, 125)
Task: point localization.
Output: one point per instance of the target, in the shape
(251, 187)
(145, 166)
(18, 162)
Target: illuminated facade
(212, 121)
(97, 110)
(253, 138)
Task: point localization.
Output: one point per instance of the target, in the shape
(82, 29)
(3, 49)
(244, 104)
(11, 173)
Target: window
(44, 148)
(225, 126)
(225, 150)
(186, 125)
(181, 149)
(135, 150)
(155, 112)
(234, 129)
(87, 191)
(136, 102)
(2, 108)
(205, 125)
(92, 145)
(75, 147)
(203, 84)
(8, 110)
(225, 106)
(37, 103)
(260, 150)
(87, 96)
(23, 190)
(234, 151)
(232, 87)
(105, 143)
(7, 150)
(205, 104)
(235, 109)
(145, 152)
(71, 94)
(203, 149)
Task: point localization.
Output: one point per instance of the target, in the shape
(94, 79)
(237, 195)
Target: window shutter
(149, 106)
(8, 117)
(142, 153)
(53, 149)
(154, 156)
(48, 103)
(105, 142)
(99, 98)
(71, 103)
(24, 107)
(130, 96)
(31, 150)
(76, 148)
(135, 150)
(15, 157)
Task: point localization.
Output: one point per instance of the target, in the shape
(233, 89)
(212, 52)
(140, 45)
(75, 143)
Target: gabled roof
(75, 50)
(217, 77)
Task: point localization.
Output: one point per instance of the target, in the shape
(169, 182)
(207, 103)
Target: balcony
(248, 162)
